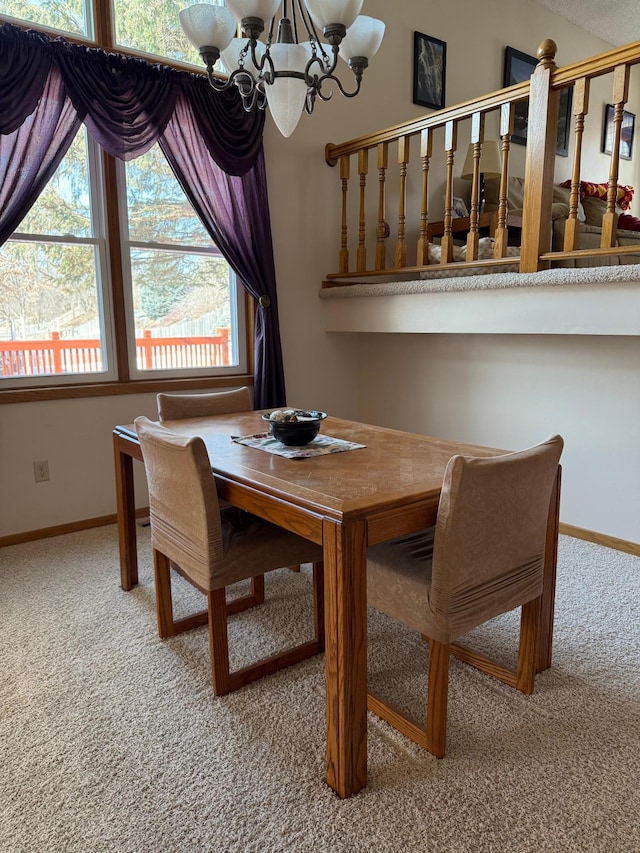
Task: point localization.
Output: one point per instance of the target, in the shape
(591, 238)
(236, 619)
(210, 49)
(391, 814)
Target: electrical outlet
(41, 471)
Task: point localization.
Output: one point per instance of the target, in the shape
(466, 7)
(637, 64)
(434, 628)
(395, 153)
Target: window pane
(183, 309)
(64, 207)
(49, 310)
(153, 26)
(158, 209)
(69, 16)
(52, 317)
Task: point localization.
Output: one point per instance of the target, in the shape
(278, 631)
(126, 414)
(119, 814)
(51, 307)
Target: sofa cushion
(594, 209)
(515, 198)
(561, 197)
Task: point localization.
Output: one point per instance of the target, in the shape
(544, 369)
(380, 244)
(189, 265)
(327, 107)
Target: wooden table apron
(343, 501)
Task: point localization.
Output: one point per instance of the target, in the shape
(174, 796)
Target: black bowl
(296, 433)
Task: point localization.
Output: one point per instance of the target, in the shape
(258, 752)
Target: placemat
(320, 446)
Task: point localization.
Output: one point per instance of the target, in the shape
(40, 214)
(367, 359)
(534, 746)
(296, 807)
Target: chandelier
(291, 66)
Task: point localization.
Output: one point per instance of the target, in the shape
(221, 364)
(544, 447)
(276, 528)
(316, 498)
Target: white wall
(75, 436)
(366, 376)
(513, 391)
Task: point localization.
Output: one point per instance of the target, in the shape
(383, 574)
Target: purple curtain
(235, 211)
(47, 88)
(37, 125)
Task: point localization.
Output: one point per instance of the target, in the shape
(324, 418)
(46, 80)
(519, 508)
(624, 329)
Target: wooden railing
(435, 168)
(72, 355)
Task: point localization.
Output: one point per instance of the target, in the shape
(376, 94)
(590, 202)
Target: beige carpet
(111, 740)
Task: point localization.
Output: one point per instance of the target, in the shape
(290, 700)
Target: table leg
(126, 514)
(549, 588)
(345, 554)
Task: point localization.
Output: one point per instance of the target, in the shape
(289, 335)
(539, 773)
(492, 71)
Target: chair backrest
(183, 502)
(173, 407)
(489, 544)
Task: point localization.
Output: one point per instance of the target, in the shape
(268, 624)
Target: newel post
(542, 133)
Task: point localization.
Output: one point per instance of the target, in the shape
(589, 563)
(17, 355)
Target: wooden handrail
(543, 91)
(511, 94)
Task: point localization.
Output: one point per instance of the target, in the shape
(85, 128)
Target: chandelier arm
(264, 63)
(216, 83)
(294, 18)
(311, 30)
(270, 33)
(311, 79)
(334, 79)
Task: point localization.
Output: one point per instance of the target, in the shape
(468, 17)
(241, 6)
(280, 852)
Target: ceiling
(615, 21)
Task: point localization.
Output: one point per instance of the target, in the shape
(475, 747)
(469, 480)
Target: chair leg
(246, 602)
(225, 681)
(433, 736)
(257, 588)
(218, 641)
(318, 604)
(437, 698)
(164, 604)
(530, 621)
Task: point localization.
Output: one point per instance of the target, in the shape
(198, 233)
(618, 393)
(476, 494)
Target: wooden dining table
(344, 501)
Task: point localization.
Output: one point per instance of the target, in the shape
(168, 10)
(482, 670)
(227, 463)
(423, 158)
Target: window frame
(115, 314)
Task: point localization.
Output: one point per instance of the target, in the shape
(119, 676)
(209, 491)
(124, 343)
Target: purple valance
(124, 102)
(24, 70)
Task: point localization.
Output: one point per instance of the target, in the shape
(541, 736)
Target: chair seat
(251, 543)
(399, 576)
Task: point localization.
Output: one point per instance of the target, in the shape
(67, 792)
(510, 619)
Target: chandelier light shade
(324, 13)
(288, 53)
(362, 39)
(208, 26)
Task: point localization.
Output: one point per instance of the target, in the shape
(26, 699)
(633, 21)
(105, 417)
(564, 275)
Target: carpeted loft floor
(111, 740)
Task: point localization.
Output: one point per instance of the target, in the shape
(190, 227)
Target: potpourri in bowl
(294, 427)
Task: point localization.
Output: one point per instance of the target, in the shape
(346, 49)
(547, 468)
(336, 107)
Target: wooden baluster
(450, 145)
(381, 249)
(401, 244)
(477, 139)
(580, 109)
(540, 161)
(363, 170)
(56, 349)
(426, 148)
(620, 98)
(343, 263)
(507, 115)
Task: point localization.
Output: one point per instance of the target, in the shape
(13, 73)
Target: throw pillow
(590, 189)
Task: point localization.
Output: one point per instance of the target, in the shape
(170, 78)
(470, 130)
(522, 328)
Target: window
(154, 28)
(70, 16)
(55, 317)
(111, 279)
(182, 293)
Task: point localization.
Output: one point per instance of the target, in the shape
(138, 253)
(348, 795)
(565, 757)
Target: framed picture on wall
(459, 209)
(626, 133)
(429, 68)
(519, 67)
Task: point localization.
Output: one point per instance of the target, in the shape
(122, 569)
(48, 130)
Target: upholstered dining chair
(213, 550)
(484, 557)
(175, 407)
